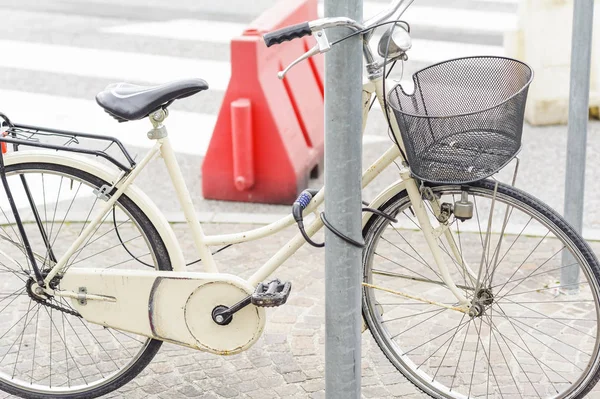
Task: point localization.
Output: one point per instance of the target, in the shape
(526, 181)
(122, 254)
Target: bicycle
(119, 287)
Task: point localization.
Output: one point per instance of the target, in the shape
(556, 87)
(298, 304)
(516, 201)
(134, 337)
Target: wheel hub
(34, 291)
(482, 301)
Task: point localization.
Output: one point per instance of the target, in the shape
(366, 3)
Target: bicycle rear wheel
(535, 336)
(46, 349)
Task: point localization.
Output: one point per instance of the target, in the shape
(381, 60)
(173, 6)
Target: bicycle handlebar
(288, 33)
(317, 26)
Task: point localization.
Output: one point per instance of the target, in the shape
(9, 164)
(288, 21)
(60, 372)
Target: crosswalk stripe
(190, 131)
(419, 16)
(462, 20)
(182, 29)
(110, 64)
(124, 66)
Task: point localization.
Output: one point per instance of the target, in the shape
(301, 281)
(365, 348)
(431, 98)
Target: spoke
(128, 336)
(539, 363)
(419, 323)
(16, 244)
(21, 337)
(120, 343)
(7, 305)
(458, 328)
(484, 258)
(489, 367)
(21, 275)
(66, 214)
(422, 261)
(507, 216)
(8, 221)
(128, 260)
(66, 357)
(405, 267)
(18, 292)
(509, 318)
(87, 218)
(460, 268)
(502, 352)
(105, 250)
(86, 351)
(492, 325)
(37, 320)
(409, 316)
(78, 252)
(535, 270)
(98, 342)
(22, 317)
(487, 394)
(521, 265)
(460, 355)
(549, 318)
(537, 274)
(55, 209)
(512, 244)
(44, 195)
(66, 349)
(21, 246)
(404, 276)
(541, 289)
(436, 337)
(476, 350)
(403, 251)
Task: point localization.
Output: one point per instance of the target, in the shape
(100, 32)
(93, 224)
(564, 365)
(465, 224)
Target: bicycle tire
(159, 253)
(374, 314)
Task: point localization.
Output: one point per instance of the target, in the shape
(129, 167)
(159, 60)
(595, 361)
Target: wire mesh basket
(464, 120)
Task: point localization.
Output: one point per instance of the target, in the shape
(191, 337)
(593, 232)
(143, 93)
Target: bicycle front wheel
(47, 350)
(532, 335)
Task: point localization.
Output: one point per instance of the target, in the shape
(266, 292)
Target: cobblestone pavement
(288, 360)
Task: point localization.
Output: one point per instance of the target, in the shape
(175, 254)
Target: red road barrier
(268, 139)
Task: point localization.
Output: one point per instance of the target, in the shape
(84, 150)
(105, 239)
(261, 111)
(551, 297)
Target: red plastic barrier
(268, 139)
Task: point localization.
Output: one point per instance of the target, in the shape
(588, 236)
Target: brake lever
(322, 46)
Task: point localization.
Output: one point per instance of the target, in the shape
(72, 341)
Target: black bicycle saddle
(128, 102)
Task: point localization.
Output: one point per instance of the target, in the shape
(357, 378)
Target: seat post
(159, 131)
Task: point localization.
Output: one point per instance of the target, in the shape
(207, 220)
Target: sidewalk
(288, 360)
(541, 173)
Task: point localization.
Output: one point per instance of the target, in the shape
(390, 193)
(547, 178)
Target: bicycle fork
(430, 237)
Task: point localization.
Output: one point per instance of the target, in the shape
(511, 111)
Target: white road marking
(183, 29)
(461, 20)
(189, 132)
(116, 65)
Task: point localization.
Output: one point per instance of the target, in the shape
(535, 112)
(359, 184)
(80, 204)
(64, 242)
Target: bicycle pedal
(271, 294)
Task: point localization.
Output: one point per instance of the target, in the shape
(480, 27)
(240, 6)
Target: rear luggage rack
(63, 140)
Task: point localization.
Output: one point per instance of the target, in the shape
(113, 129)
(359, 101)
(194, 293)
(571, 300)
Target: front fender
(382, 198)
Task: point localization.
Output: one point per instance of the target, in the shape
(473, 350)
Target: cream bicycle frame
(204, 242)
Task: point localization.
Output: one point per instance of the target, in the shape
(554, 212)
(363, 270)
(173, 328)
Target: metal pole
(581, 50)
(343, 167)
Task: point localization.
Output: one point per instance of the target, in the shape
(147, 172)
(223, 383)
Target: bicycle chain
(51, 305)
(57, 307)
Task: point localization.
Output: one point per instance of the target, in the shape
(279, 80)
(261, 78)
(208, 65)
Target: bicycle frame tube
(203, 242)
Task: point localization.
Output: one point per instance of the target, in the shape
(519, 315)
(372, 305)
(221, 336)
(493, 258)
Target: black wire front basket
(464, 120)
